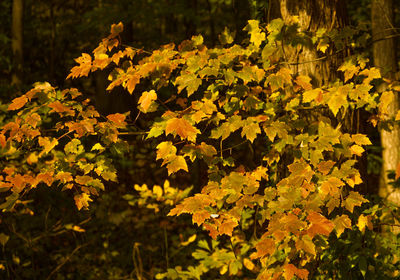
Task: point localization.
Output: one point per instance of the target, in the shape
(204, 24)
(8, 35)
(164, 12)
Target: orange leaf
(227, 227)
(200, 216)
(47, 144)
(132, 82)
(397, 172)
(146, 99)
(118, 119)
(18, 103)
(3, 140)
(82, 200)
(304, 82)
(33, 119)
(60, 108)
(319, 225)
(291, 270)
(265, 247)
(176, 163)
(325, 166)
(331, 186)
(181, 127)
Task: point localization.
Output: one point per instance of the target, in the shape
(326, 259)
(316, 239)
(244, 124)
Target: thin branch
(65, 260)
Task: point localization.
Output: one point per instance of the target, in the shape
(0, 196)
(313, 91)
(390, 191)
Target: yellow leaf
(364, 221)
(157, 190)
(357, 150)
(311, 95)
(361, 139)
(190, 240)
(176, 163)
(341, 223)
(164, 149)
(248, 264)
(146, 99)
(352, 200)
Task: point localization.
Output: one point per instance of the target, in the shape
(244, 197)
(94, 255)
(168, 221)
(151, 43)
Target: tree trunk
(384, 56)
(17, 43)
(313, 15)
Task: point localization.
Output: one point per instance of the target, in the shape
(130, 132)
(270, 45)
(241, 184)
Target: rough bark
(384, 56)
(312, 15)
(17, 42)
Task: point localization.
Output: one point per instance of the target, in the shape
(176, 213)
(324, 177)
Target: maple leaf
(331, 186)
(341, 223)
(227, 226)
(146, 99)
(304, 82)
(189, 81)
(176, 163)
(265, 247)
(305, 243)
(319, 225)
(47, 144)
(181, 127)
(325, 166)
(361, 139)
(352, 200)
(311, 95)
(165, 149)
(256, 36)
(357, 150)
(82, 200)
(3, 140)
(46, 178)
(290, 270)
(250, 130)
(17, 103)
(60, 108)
(200, 216)
(364, 221)
(118, 119)
(133, 80)
(33, 119)
(64, 177)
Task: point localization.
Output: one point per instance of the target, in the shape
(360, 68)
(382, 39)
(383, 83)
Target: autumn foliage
(280, 168)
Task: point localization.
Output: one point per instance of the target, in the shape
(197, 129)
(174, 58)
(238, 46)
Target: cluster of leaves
(232, 95)
(279, 208)
(57, 138)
